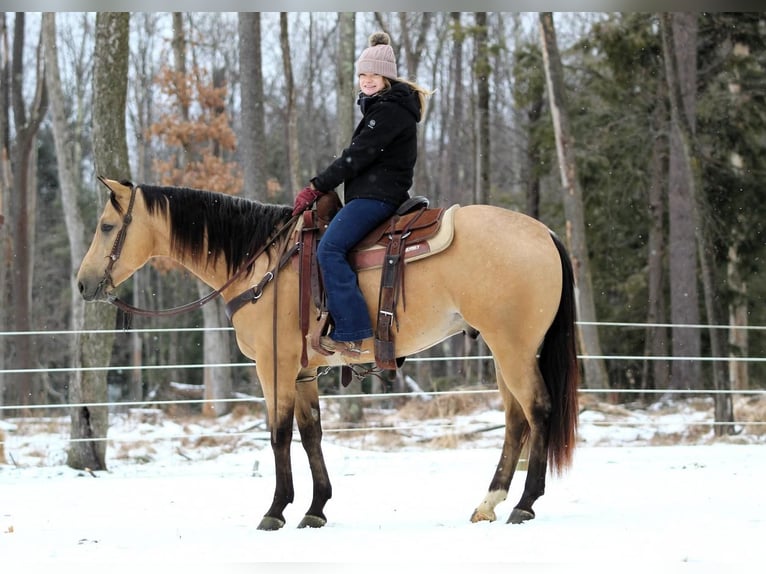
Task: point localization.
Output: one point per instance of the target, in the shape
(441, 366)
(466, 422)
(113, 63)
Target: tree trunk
(738, 314)
(217, 380)
(684, 298)
(413, 54)
(351, 409)
(252, 135)
(481, 76)
(452, 177)
(682, 130)
(69, 183)
(656, 337)
(215, 343)
(5, 186)
(590, 345)
(145, 73)
(346, 81)
(739, 374)
(21, 207)
(110, 148)
(293, 158)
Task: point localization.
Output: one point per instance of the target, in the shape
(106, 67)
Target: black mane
(234, 227)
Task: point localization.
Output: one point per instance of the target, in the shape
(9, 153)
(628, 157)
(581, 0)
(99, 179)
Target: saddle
(415, 231)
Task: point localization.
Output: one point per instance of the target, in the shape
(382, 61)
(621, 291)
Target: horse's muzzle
(94, 291)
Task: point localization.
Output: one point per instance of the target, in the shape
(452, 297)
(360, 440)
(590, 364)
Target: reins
(130, 309)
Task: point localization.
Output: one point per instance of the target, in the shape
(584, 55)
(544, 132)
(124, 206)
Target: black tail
(561, 371)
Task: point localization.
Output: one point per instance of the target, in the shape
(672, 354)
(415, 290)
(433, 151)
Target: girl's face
(371, 83)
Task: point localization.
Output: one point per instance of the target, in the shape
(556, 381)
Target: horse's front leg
(281, 425)
(307, 415)
(281, 441)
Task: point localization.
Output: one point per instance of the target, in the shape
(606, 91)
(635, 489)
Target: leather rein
(256, 291)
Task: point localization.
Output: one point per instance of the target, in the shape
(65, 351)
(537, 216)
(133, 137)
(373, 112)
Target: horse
(505, 275)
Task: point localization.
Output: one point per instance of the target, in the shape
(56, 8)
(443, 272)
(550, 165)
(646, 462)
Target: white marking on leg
(486, 510)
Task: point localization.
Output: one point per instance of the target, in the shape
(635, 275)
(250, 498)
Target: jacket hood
(400, 93)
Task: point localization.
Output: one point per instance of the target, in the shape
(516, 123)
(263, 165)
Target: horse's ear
(117, 187)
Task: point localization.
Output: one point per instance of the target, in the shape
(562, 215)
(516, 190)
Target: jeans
(344, 298)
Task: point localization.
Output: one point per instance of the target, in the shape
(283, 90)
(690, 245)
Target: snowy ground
(648, 491)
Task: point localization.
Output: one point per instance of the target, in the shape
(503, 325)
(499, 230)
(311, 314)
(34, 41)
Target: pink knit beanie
(378, 58)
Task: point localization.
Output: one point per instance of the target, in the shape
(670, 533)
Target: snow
(189, 492)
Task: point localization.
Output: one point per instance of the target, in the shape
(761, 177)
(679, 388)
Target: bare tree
(252, 147)
(27, 121)
(656, 337)
(110, 149)
(481, 73)
(293, 157)
(217, 385)
(414, 39)
(452, 176)
(141, 117)
(683, 263)
(69, 180)
(5, 187)
(347, 85)
(595, 371)
(674, 50)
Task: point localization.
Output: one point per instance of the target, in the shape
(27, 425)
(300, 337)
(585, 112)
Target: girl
(377, 169)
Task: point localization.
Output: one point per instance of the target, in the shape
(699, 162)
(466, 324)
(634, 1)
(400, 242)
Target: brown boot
(352, 349)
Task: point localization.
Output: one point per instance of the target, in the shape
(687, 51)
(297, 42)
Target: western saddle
(408, 235)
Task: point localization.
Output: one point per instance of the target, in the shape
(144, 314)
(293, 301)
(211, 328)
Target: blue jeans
(344, 298)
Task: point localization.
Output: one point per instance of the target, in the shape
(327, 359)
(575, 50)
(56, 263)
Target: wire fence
(372, 398)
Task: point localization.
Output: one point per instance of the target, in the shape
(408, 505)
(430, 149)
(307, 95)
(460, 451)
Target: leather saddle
(415, 231)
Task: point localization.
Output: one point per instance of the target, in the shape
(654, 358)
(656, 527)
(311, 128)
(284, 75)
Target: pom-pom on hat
(378, 58)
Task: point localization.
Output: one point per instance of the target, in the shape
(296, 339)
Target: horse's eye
(106, 227)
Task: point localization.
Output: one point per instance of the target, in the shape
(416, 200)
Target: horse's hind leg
(307, 414)
(528, 388)
(516, 429)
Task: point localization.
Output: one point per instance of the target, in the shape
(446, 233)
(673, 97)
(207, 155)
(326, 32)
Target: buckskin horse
(503, 274)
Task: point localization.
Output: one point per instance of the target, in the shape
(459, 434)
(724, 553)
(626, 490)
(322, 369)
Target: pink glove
(306, 197)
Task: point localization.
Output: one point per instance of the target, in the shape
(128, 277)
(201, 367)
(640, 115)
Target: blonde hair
(422, 92)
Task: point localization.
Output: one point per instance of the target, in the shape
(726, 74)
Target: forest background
(648, 159)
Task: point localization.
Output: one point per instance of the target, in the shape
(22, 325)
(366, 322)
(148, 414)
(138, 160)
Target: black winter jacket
(380, 161)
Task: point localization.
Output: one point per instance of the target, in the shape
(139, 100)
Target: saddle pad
(372, 257)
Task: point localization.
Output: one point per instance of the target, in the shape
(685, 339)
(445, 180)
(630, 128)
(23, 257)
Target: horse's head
(121, 245)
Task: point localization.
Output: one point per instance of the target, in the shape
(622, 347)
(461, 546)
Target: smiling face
(371, 83)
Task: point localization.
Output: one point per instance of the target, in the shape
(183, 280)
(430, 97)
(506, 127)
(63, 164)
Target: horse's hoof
(312, 521)
(271, 523)
(519, 515)
(479, 516)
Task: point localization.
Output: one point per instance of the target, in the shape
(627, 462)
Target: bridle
(129, 309)
(119, 241)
